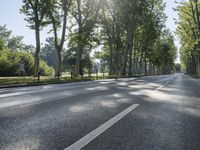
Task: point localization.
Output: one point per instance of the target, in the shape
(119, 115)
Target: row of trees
(189, 33)
(135, 38)
(131, 33)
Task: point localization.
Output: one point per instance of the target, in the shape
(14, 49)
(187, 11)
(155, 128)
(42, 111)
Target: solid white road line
(95, 133)
(159, 88)
(167, 82)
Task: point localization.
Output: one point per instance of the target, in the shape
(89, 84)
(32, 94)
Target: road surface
(148, 113)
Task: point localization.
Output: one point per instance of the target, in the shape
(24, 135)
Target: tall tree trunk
(145, 54)
(117, 60)
(125, 58)
(111, 69)
(59, 45)
(145, 66)
(124, 73)
(129, 48)
(37, 52)
(198, 62)
(135, 59)
(58, 62)
(145, 62)
(78, 60)
(79, 47)
(130, 73)
(141, 65)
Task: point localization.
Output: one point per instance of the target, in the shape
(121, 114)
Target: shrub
(45, 70)
(10, 60)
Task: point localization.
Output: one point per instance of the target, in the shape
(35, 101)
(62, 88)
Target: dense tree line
(135, 37)
(189, 33)
(130, 34)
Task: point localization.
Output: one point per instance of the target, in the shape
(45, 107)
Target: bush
(45, 70)
(29, 62)
(10, 60)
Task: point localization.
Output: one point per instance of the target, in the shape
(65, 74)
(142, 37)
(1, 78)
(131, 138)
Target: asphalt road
(148, 113)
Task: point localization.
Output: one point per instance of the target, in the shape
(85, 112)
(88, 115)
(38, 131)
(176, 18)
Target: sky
(171, 15)
(11, 17)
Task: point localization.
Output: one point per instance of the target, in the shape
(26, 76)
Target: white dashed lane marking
(98, 131)
(159, 88)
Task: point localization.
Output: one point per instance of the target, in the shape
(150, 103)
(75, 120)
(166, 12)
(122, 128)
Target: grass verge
(23, 81)
(29, 81)
(197, 76)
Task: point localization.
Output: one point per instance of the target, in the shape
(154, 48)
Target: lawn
(66, 78)
(197, 76)
(6, 81)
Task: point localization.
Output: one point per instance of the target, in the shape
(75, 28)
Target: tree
(29, 48)
(48, 52)
(85, 13)
(2, 44)
(16, 43)
(178, 67)
(153, 24)
(58, 13)
(35, 11)
(133, 33)
(189, 32)
(10, 41)
(5, 34)
(69, 60)
(113, 34)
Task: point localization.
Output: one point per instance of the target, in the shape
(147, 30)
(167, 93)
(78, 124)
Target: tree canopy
(189, 33)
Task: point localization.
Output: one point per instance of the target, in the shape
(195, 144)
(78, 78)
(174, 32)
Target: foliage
(57, 15)
(133, 34)
(45, 70)
(69, 60)
(48, 52)
(189, 33)
(10, 60)
(85, 14)
(178, 67)
(35, 11)
(10, 41)
(12, 51)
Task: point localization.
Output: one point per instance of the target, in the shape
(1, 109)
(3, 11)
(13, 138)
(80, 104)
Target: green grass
(6, 81)
(197, 76)
(16, 80)
(12, 81)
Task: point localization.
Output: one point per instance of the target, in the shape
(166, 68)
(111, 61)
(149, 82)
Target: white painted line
(167, 82)
(95, 133)
(159, 88)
